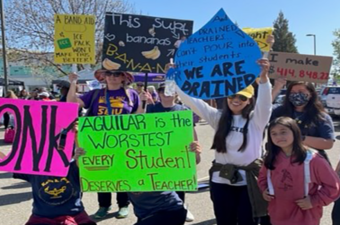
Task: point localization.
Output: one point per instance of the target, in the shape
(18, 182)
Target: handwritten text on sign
(74, 39)
(260, 35)
(297, 67)
(142, 43)
(217, 61)
(38, 128)
(145, 152)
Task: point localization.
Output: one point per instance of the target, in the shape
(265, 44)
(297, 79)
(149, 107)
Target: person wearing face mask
(302, 104)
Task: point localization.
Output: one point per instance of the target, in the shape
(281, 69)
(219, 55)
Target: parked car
(323, 92)
(333, 101)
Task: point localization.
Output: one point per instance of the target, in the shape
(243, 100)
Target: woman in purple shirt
(115, 99)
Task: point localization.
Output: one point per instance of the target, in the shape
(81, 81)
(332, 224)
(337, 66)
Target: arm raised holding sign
(115, 99)
(237, 142)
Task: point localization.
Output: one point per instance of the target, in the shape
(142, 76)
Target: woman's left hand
(264, 63)
(270, 40)
(145, 96)
(196, 147)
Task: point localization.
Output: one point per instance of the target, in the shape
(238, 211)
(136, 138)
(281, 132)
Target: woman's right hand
(267, 196)
(73, 78)
(280, 83)
(78, 152)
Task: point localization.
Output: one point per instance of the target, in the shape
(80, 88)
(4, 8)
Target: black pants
(175, 217)
(104, 199)
(181, 195)
(232, 205)
(336, 212)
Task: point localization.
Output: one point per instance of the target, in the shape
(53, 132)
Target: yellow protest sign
(74, 39)
(260, 35)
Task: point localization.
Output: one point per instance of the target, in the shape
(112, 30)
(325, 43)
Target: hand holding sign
(217, 61)
(264, 63)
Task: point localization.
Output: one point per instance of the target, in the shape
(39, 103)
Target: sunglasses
(115, 74)
(241, 97)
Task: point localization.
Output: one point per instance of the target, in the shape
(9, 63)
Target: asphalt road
(16, 200)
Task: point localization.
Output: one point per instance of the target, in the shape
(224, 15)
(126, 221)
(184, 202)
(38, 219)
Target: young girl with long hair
(296, 182)
(237, 144)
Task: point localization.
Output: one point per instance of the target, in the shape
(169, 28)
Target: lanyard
(108, 103)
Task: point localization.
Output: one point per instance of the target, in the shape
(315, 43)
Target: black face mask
(298, 99)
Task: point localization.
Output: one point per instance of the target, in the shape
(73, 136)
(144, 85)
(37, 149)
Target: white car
(333, 101)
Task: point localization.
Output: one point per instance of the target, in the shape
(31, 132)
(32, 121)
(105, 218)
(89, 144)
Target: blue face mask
(298, 99)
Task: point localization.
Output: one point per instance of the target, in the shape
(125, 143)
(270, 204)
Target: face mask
(298, 99)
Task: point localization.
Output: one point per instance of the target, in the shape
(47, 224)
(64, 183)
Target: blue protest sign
(217, 61)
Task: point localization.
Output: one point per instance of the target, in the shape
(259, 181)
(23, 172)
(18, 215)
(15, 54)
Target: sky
(319, 17)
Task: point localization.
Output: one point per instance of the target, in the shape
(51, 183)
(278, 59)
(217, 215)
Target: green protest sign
(144, 152)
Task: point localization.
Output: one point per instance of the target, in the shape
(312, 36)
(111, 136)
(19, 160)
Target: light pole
(313, 35)
(4, 46)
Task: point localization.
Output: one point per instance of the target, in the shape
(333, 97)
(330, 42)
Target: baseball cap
(247, 92)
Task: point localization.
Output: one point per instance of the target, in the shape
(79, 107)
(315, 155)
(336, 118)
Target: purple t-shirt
(119, 101)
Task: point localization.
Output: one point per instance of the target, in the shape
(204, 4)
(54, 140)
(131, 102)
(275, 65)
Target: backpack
(307, 179)
(9, 135)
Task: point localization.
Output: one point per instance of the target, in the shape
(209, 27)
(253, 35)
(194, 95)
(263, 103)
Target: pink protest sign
(41, 129)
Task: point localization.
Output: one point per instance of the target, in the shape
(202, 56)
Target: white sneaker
(190, 217)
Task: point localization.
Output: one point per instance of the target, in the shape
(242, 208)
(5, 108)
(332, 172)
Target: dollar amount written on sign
(293, 74)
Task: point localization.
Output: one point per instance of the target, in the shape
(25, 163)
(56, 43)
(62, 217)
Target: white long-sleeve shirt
(257, 123)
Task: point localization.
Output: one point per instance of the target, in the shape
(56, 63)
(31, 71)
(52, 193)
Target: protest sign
(142, 43)
(144, 152)
(41, 129)
(298, 67)
(260, 35)
(217, 61)
(74, 39)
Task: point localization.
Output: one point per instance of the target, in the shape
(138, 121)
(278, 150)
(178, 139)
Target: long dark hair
(313, 110)
(224, 126)
(298, 151)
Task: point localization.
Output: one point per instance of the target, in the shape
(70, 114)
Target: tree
(30, 24)
(284, 40)
(336, 46)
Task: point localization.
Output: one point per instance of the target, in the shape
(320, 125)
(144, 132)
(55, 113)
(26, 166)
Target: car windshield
(334, 90)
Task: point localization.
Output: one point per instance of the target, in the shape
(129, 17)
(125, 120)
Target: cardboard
(144, 152)
(217, 61)
(38, 127)
(74, 39)
(260, 35)
(298, 67)
(142, 43)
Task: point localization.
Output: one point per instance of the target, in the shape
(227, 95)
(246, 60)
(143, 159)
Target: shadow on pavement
(5, 175)
(207, 222)
(17, 186)
(10, 199)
